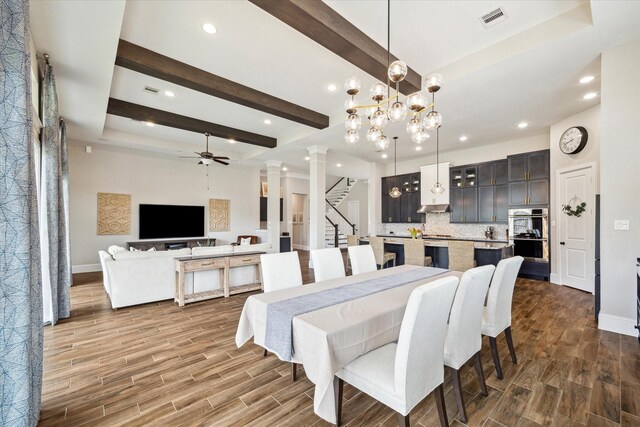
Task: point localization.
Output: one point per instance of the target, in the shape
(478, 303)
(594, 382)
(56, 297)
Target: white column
(317, 186)
(376, 170)
(273, 203)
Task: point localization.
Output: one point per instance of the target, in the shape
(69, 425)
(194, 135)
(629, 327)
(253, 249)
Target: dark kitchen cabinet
(486, 174)
(486, 196)
(409, 205)
(388, 183)
(464, 204)
(529, 179)
(390, 209)
(501, 203)
(501, 172)
(403, 209)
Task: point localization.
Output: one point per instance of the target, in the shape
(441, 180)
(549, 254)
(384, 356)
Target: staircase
(334, 198)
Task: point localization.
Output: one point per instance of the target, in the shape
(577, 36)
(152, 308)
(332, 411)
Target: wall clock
(573, 140)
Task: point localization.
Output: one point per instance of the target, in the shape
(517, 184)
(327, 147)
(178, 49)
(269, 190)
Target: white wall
(156, 179)
(359, 192)
(620, 199)
(590, 120)
(468, 153)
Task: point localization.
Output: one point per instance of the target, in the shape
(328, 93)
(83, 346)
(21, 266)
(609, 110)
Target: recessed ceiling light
(332, 88)
(307, 158)
(209, 28)
(590, 95)
(150, 124)
(523, 125)
(418, 147)
(586, 79)
(169, 93)
(384, 155)
(284, 168)
(339, 165)
(267, 122)
(463, 138)
(231, 141)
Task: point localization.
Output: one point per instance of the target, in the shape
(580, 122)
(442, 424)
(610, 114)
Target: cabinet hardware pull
(246, 259)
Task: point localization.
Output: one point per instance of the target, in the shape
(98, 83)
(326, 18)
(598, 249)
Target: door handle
(562, 243)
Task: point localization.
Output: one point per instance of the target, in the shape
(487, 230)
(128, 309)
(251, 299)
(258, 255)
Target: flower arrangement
(414, 232)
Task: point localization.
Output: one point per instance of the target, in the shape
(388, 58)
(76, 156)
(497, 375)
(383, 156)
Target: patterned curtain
(20, 285)
(55, 180)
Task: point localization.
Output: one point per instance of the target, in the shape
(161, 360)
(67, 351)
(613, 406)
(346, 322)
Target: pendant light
(395, 191)
(437, 188)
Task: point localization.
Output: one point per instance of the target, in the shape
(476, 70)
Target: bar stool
(414, 253)
(382, 257)
(352, 240)
(461, 255)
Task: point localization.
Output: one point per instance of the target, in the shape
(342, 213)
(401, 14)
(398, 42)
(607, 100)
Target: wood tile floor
(158, 364)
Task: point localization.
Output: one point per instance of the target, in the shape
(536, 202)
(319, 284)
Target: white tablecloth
(326, 340)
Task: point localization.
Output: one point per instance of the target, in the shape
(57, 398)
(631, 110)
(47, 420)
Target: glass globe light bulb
(395, 192)
(397, 71)
(379, 119)
(370, 111)
(432, 120)
(350, 106)
(353, 122)
(397, 112)
(351, 137)
(378, 91)
(433, 82)
(413, 125)
(420, 136)
(416, 101)
(437, 188)
(373, 134)
(352, 86)
(382, 143)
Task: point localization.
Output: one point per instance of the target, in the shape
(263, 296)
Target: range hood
(434, 209)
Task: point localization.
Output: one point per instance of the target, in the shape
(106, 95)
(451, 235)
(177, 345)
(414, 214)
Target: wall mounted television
(171, 221)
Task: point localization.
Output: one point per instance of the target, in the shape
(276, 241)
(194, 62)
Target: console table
(166, 244)
(222, 263)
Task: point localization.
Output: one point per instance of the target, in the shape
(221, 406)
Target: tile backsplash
(438, 223)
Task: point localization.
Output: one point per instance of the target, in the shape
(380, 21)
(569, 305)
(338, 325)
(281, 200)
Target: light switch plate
(621, 224)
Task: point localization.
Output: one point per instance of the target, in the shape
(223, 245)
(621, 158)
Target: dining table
(326, 338)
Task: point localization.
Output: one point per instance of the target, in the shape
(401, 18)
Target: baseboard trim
(85, 268)
(555, 279)
(621, 325)
(301, 247)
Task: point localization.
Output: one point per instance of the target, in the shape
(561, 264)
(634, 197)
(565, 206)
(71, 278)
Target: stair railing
(341, 219)
(335, 236)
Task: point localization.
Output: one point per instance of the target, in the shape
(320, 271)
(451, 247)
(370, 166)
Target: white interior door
(353, 213)
(576, 234)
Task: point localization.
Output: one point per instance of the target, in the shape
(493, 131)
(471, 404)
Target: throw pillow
(132, 249)
(151, 250)
(114, 249)
(245, 241)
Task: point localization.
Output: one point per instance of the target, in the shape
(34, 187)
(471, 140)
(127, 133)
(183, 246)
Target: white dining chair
(400, 375)
(497, 314)
(464, 339)
(362, 259)
(281, 271)
(327, 264)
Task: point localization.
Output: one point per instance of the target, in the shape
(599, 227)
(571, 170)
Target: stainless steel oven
(529, 233)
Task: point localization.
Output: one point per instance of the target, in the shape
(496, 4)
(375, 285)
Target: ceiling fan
(206, 157)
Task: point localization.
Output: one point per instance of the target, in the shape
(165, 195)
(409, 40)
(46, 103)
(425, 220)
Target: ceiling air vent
(151, 90)
(493, 17)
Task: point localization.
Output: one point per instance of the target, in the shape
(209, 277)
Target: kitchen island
(487, 251)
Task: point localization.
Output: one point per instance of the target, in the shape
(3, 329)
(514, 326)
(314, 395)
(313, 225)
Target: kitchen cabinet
(465, 176)
(464, 205)
(492, 173)
(429, 175)
(501, 202)
(486, 203)
(529, 179)
(529, 166)
(403, 209)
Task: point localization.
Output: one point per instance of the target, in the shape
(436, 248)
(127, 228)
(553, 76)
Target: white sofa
(140, 277)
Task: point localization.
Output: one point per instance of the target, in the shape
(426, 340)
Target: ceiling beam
(325, 26)
(165, 118)
(153, 64)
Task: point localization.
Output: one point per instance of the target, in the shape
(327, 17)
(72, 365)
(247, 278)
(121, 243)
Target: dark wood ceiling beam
(316, 20)
(165, 118)
(153, 64)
